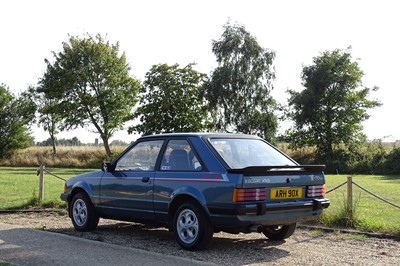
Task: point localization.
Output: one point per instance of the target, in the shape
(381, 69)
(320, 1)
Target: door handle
(145, 179)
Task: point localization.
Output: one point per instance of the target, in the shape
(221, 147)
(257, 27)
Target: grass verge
(19, 187)
(367, 213)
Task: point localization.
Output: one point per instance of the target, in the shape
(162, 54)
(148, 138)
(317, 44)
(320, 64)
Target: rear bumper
(263, 208)
(266, 213)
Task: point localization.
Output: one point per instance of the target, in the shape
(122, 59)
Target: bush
(371, 158)
(392, 162)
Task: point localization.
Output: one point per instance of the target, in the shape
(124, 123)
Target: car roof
(201, 134)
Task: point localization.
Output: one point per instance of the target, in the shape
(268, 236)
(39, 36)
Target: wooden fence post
(41, 182)
(350, 193)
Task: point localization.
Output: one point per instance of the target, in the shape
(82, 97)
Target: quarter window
(179, 156)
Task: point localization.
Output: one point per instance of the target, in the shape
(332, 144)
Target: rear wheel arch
(190, 223)
(178, 201)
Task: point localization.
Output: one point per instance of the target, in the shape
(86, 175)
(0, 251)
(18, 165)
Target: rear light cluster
(316, 191)
(248, 194)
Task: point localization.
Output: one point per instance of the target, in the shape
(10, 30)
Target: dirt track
(305, 247)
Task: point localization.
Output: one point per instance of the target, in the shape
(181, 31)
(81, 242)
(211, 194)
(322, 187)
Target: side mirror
(105, 167)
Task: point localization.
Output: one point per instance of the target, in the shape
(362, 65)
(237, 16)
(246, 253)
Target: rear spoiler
(268, 170)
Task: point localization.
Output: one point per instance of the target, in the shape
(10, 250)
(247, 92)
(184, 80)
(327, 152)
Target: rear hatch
(280, 183)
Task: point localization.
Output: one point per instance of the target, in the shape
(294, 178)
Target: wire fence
(349, 179)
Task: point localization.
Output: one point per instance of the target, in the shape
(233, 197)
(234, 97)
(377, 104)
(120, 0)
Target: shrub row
(372, 158)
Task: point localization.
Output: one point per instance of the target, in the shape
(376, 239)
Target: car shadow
(245, 248)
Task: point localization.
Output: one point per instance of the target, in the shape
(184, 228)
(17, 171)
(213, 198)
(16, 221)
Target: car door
(127, 190)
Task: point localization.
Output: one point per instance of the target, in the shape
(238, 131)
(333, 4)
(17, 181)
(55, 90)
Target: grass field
(372, 214)
(19, 189)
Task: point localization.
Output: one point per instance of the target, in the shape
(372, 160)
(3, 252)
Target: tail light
(248, 194)
(316, 191)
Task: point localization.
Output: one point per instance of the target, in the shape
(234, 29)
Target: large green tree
(91, 83)
(330, 109)
(16, 114)
(240, 86)
(172, 101)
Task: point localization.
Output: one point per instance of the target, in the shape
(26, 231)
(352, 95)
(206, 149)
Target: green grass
(19, 187)
(371, 214)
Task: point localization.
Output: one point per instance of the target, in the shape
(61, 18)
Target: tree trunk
(53, 142)
(106, 147)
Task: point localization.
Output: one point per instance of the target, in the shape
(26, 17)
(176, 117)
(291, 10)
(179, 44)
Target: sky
(181, 32)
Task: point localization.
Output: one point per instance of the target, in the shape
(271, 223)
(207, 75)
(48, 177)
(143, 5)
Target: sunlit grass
(370, 213)
(19, 187)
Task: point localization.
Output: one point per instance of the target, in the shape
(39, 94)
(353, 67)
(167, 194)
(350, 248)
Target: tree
(15, 116)
(171, 101)
(91, 85)
(239, 88)
(330, 109)
(48, 116)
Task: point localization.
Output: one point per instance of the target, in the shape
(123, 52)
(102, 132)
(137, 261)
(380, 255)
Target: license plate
(286, 193)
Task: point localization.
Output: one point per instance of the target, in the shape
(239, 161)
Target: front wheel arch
(82, 212)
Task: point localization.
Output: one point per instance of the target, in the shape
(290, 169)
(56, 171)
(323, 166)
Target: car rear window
(241, 153)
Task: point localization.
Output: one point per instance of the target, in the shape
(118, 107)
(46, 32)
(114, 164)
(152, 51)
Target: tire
(191, 227)
(279, 232)
(82, 213)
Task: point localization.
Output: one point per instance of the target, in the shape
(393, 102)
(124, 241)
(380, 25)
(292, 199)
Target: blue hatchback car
(200, 183)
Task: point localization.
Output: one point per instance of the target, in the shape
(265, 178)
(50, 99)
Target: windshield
(241, 153)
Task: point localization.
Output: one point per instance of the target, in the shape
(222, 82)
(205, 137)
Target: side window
(142, 157)
(179, 156)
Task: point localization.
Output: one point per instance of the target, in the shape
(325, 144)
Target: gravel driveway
(305, 247)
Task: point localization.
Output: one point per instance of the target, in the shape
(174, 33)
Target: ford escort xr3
(197, 184)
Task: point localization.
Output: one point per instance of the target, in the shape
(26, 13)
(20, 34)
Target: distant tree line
(75, 142)
(88, 83)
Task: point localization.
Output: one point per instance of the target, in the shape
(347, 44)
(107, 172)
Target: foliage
(90, 84)
(330, 109)
(48, 117)
(120, 143)
(391, 164)
(15, 115)
(171, 101)
(239, 88)
(61, 142)
(372, 157)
